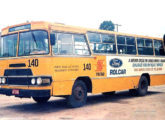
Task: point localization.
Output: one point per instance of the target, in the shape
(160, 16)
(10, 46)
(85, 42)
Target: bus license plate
(15, 92)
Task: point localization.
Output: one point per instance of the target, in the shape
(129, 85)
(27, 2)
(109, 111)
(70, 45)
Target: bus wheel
(109, 93)
(79, 95)
(41, 99)
(133, 92)
(143, 86)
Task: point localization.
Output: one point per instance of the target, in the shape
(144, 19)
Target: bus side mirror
(52, 39)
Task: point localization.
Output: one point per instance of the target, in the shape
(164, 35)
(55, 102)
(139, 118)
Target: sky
(142, 17)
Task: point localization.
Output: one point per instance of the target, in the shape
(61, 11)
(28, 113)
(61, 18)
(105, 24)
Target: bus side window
(121, 45)
(131, 45)
(126, 45)
(140, 44)
(149, 47)
(102, 43)
(158, 46)
(145, 46)
(94, 37)
(109, 43)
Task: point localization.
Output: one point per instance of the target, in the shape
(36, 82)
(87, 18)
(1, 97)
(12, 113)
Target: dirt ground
(121, 106)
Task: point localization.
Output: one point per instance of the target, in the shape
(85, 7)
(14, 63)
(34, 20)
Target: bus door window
(81, 47)
(65, 43)
(70, 44)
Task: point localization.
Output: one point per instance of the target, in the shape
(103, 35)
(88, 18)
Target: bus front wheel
(41, 99)
(79, 95)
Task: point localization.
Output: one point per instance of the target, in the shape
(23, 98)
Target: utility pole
(117, 25)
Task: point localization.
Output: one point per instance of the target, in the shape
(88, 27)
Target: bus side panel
(157, 80)
(114, 80)
(65, 70)
(62, 88)
(129, 66)
(114, 84)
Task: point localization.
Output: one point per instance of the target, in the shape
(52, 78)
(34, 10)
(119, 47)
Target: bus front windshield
(8, 45)
(30, 43)
(33, 43)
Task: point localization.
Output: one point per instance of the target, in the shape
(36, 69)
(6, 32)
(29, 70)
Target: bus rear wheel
(142, 87)
(41, 99)
(79, 95)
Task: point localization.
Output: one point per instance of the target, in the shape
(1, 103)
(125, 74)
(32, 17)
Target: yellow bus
(42, 59)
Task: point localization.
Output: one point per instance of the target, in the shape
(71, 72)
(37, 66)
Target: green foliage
(107, 25)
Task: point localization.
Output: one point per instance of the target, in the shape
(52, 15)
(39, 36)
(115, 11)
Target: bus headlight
(33, 81)
(0, 80)
(3, 80)
(39, 81)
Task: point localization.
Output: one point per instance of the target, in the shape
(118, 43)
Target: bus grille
(18, 81)
(18, 76)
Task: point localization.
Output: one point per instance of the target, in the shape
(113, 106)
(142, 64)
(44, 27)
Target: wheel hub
(79, 93)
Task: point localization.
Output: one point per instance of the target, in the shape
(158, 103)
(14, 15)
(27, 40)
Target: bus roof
(62, 27)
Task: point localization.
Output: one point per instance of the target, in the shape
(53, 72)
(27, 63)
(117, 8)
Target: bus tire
(143, 86)
(109, 93)
(79, 95)
(41, 99)
(133, 92)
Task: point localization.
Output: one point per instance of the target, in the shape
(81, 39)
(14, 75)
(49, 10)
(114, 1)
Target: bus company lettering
(117, 71)
(116, 63)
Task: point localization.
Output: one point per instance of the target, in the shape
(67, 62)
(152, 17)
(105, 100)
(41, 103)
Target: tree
(107, 25)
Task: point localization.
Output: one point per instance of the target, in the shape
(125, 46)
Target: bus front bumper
(25, 93)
